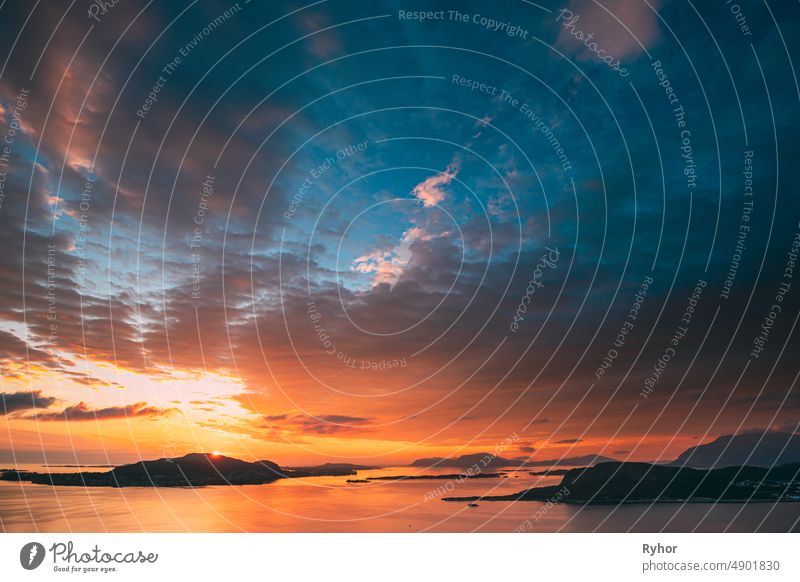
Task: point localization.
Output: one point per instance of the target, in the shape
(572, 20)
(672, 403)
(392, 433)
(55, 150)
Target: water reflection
(330, 504)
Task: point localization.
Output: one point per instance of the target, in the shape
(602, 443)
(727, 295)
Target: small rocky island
(448, 477)
(192, 470)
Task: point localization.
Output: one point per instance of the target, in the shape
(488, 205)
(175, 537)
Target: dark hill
(643, 482)
(196, 469)
(192, 470)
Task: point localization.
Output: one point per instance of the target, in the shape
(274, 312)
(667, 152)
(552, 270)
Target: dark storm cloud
(16, 401)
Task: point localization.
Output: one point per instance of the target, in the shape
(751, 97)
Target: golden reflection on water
(330, 504)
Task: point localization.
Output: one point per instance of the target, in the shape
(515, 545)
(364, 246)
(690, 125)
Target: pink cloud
(430, 191)
(609, 32)
(324, 45)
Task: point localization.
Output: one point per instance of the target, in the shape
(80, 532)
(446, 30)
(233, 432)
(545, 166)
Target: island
(192, 470)
(487, 460)
(335, 467)
(617, 482)
(449, 477)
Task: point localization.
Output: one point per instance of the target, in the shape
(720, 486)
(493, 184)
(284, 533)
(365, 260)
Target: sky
(354, 231)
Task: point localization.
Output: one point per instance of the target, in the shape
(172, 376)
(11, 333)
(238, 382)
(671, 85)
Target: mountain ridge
(190, 470)
(754, 448)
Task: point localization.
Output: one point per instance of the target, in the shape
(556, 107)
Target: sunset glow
(352, 234)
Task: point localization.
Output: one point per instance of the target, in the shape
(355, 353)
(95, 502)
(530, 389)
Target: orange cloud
(81, 411)
(430, 192)
(323, 424)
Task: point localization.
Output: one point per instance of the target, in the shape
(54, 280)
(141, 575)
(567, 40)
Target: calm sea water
(329, 504)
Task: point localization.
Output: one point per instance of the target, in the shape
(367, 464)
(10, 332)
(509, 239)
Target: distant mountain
(335, 467)
(466, 461)
(192, 470)
(643, 482)
(762, 449)
(454, 477)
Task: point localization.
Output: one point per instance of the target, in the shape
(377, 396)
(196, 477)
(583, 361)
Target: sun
(215, 453)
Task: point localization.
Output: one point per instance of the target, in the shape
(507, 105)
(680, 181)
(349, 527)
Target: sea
(331, 504)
